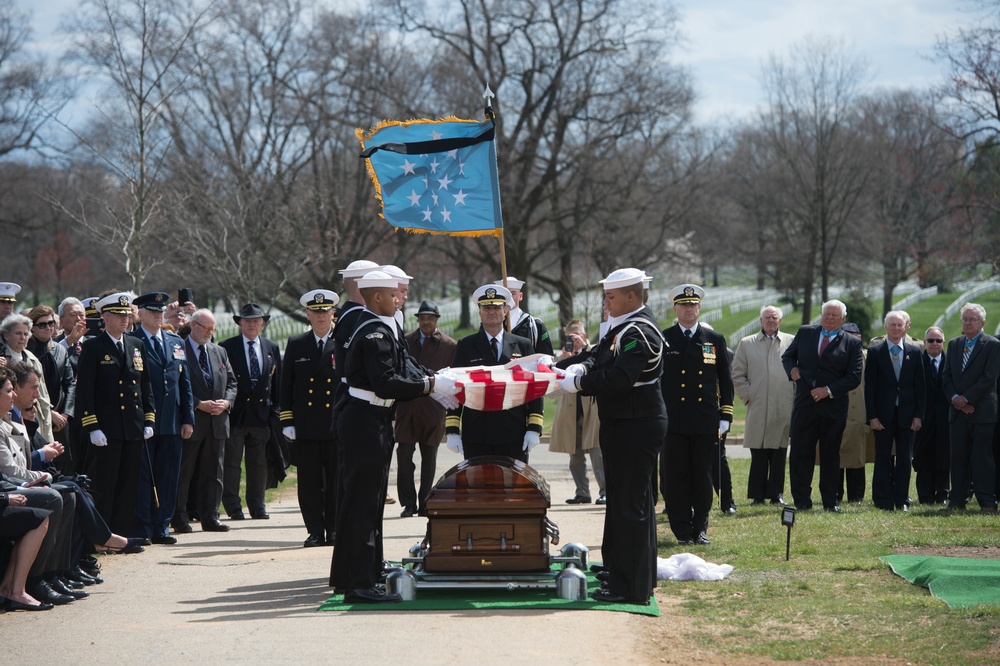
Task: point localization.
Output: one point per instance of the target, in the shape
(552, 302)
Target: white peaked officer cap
(377, 279)
(512, 282)
(686, 293)
(624, 277)
(492, 294)
(9, 291)
(120, 303)
(397, 273)
(320, 300)
(356, 269)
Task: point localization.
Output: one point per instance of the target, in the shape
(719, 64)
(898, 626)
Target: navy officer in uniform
(307, 386)
(695, 366)
(378, 371)
(169, 374)
(522, 323)
(623, 372)
(114, 400)
(510, 432)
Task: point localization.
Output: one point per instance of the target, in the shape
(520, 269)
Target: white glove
(568, 383)
(97, 438)
(289, 432)
(544, 359)
(454, 442)
(576, 370)
(723, 428)
(446, 401)
(147, 432)
(531, 440)
(444, 383)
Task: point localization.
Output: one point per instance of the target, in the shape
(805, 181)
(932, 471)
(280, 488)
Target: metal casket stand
(487, 528)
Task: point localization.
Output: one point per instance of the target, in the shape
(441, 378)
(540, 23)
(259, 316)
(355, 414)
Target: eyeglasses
(970, 320)
(210, 330)
(45, 324)
(934, 340)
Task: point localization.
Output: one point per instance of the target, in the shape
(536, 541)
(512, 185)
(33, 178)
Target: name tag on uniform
(708, 354)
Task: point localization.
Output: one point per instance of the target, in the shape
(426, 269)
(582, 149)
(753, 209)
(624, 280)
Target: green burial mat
(438, 599)
(960, 582)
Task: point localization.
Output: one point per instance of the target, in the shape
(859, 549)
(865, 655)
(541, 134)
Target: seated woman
(28, 525)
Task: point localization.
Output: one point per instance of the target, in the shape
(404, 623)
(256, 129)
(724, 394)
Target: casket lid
(492, 473)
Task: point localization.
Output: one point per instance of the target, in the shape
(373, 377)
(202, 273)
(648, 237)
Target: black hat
(851, 327)
(155, 301)
(428, 307)
(251, 311)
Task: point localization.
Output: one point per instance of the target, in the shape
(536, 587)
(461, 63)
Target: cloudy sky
(727, 41)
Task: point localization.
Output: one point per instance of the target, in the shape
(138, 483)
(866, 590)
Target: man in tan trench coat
(761, 382)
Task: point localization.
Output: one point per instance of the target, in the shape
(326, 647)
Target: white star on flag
(408, 167)
(443, 183)
(459, 198)
(414, 198)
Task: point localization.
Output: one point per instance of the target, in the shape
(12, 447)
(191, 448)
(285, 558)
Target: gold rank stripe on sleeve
(535, 419)
(727, 410)
(453, 422)
(150, 417)
(287, 416)
(88, 420)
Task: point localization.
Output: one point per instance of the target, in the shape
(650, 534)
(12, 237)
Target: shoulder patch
(629, 345)
(375, 335)
(545, 335)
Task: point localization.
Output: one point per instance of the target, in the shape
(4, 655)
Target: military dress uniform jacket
(691, 370)
(170, 379)
(416, 417)
(346, 319)
(114, 394)
(502, 427)
(839, 369)
(254, 406)
(534, 330)
(374, 359)
(223, 388)
(308, 383)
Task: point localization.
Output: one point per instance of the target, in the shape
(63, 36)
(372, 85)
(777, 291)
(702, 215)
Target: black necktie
(158, 350)
(254, 364)
(121, 348)
(934, 367)
(206, 371)
(495, 348)
(687, 333)
(320, 345)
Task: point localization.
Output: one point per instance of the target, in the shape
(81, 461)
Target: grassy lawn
(834, 598)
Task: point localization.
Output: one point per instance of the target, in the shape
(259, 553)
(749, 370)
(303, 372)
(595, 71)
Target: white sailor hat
(377, 279)
(397, 273)
(358, 268)
(120, 303)
(9, 291)
(319, 300)
(512, 282)
(686, 293)
(90, 307)
(492, 294)
(624, 277)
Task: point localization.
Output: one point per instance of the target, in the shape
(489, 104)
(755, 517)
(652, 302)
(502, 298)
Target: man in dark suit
(307, 386)
(825, 363)
(510, 432)
(213, 385)
(697, 387)
(169, 375)
(894, 405)
(970, 384)
(931, 445)
(421, 421)
(256, 362)
(114, 401)
(522, 323)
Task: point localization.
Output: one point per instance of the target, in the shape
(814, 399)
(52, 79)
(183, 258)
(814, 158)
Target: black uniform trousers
(807, 428)
(114, 470)
(931, 451)
(722, 478)
(688, 475)
(315, 462)
(630, 448)
(766, 480)
(366, 439)
(891, 476)
(89, 529)
(200, 483)
(513, 450)
(972, 460)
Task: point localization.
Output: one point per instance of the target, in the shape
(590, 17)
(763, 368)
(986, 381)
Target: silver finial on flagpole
(488, 96)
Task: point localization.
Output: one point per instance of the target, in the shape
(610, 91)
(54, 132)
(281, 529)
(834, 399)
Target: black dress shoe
(685, 542)
(603, 576)
(260, 514)
(70, 582)
(164, 539)
(779, 501)
(11, 605)
(181, 527)
(758, 502)
(598, 568)
(78, 574)
(408, 512)
(729, 510)
(213, 525)
(702, 539)
(372, 595)
(601, 500)
(43, 592)
(331, 539)
(608, 597)
(313, 541)
(578, 500)
(142, 541)
(61, 587)
(833, 509)
(237, 515)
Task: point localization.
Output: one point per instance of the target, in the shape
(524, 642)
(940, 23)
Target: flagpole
(488, 96)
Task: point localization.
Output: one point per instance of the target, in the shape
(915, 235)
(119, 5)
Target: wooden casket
(487, 514)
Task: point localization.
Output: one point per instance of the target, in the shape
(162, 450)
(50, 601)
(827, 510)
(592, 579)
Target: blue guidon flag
(435, 176)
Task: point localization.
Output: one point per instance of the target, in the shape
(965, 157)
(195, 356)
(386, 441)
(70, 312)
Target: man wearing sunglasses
(931, 445)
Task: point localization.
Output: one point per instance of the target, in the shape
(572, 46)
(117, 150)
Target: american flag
(493, 388)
